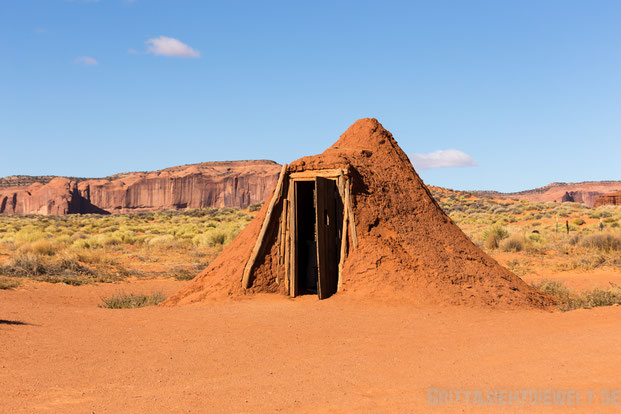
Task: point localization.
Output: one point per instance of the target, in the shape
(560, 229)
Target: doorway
(318, 213)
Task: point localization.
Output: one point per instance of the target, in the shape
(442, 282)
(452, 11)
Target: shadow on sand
(6, 322)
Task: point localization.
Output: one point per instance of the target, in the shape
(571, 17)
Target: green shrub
(43, 247)
(578, 221)
(493, 235)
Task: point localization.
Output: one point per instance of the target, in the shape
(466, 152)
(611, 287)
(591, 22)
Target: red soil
(273, 355)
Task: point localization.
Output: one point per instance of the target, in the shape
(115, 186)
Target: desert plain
(61, 350)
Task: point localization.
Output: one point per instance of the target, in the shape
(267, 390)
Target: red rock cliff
(613, 199)
(211, 184)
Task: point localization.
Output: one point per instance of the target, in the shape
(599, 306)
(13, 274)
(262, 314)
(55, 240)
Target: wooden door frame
(342, 184)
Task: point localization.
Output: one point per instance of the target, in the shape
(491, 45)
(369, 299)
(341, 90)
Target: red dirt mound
(408, 249)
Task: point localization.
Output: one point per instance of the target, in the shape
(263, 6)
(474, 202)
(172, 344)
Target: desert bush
(605, 242)
(183, 273)
(42, 247)
(131, 300)
(8, 283)
(514, 243)
(255, 207)
(29, 234)
(24, 264)
(69, 262)
(568, 300)
(164, 240)
(217, 237)
(557, 289)
(493, 235)
(578, 221)
(585, 262)
(574, 239)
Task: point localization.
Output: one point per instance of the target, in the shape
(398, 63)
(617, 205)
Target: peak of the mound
(366, 133)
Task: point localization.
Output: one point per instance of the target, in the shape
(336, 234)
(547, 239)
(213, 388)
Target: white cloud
(443, 159)
(86, 61)
(168, 46)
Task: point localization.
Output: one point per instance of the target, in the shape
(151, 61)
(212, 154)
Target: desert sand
(60, 352)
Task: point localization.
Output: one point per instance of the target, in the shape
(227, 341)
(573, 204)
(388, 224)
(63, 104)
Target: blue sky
(522, 93)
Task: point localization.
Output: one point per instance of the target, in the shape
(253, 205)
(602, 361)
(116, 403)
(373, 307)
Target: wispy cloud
(40, 30)
(86, 61)
(443, 159)
(171, 47)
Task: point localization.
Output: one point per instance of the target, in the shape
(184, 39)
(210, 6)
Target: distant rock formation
(584, 197)
(209, 184)
(613, 199)
(584, 192)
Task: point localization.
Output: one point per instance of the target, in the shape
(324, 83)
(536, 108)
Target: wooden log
(352, 222)
(282, 248)
(343, 247)
(283, 230)
(261, 239)
(311, 174)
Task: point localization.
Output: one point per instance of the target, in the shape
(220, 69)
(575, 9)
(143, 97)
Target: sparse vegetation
(131, 300)
(78, 249)
(563, 236)
(514, 243)
(568, 300)
(8, 283)
(493, 236)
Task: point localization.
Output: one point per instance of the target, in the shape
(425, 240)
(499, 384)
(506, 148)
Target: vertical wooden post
(291, 241)
(352, 223)
(283, 241)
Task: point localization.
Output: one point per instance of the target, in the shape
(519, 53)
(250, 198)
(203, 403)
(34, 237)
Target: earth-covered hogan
(357, 220)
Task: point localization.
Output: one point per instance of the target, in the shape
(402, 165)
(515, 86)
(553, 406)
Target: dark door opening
(305, 235)
(318, 228)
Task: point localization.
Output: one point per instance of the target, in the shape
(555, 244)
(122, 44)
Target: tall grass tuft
(603, 242)
(493, 236)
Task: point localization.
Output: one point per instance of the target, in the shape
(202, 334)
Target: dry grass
(8, 283)
(569, 300)
(131, 300)
(78, 249)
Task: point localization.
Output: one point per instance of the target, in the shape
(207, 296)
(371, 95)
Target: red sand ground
(273, 354)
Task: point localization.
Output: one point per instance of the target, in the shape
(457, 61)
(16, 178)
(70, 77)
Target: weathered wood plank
(261, 239)
(352, 222)
(311, 174)
(293, 285)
